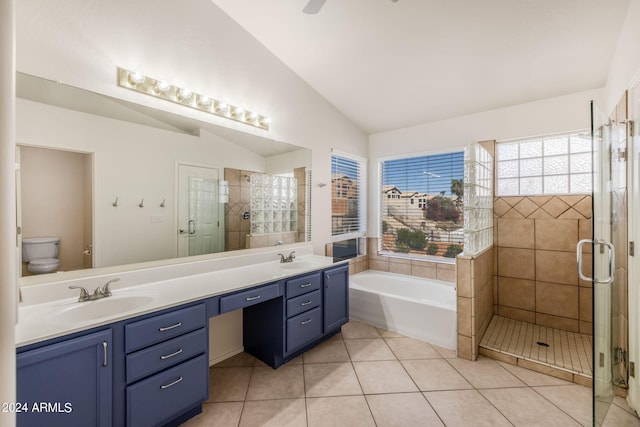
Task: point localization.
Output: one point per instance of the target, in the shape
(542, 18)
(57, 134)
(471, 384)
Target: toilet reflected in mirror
(41, 254)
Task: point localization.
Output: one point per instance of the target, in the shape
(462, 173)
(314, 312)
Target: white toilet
(41, 253)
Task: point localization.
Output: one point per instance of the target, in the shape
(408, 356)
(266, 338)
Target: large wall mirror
(104, 182)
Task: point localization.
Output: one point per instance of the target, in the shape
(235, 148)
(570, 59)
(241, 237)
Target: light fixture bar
(184, 96)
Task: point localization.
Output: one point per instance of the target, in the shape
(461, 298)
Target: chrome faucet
(289, 258)
(99, 292)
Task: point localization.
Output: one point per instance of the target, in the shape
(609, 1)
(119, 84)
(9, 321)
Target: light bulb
(237, 111)
(222, 107)
(204, 101)
(162, 85)
(184, 94)
(136, 78)
(252, 116)
(265, 121)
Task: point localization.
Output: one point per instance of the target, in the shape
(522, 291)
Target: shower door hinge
(18, 230)
(632, 248)
(601, 360)
(632, 369)
(632, 127)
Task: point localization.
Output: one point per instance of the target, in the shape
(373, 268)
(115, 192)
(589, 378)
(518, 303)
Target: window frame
(344, 193)
(381, 199)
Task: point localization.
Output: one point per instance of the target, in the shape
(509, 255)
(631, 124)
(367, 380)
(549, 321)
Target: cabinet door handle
(168, 356)
(305, 285)
(104, 353)
(304, 322)
(167, 328)
(305, 303)
(171, 384)
(252, 298)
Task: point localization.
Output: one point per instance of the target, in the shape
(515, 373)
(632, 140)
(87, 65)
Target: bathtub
(420, 308)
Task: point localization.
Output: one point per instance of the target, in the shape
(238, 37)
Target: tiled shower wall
(535, 243)
(475, 277)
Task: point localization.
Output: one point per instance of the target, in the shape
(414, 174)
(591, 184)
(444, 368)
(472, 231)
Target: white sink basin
(297, 265)
(105, 307)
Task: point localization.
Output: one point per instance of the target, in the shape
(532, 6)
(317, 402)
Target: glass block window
(478, 199)
(555, 164)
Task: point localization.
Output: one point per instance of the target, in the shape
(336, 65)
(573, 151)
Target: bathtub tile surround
(411, 267)
(475, 295)
(536, 263)
(417, 384)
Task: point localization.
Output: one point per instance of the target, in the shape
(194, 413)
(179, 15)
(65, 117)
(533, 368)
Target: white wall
(566, 113)
(131, 162)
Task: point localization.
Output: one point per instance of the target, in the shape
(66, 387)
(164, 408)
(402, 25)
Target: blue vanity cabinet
(336, 297)
(68, 383)
(166, 366)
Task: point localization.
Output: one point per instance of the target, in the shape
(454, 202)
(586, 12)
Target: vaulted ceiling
(393, 64)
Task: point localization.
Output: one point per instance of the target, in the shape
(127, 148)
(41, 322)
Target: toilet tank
(40, 248)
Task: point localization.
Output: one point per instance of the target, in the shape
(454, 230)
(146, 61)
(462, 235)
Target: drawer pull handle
(104, 353)
(305, 303)
(305, 285)
(304, 322)
(167, 328)
(252, 298)
(171, 384)
(168, 356)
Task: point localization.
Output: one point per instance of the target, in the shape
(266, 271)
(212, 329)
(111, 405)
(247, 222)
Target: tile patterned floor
(371, 377)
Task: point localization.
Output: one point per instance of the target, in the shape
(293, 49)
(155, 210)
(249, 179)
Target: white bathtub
(420, 308)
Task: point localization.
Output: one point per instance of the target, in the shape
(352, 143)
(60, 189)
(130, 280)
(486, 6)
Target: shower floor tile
(554, 348)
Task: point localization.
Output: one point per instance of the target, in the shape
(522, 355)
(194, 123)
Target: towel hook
(115, 203)
(141, 204)
(163, 204)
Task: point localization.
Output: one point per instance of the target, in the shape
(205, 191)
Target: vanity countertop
(39, 322)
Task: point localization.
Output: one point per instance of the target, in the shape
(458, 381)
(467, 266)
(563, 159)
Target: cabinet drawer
(247, 298)
(303, 284)
(304, 328)
(159, 328)
(162, 397)
(303, 303)
(165, 355)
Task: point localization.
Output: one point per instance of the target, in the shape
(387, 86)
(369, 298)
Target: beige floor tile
(330, 379)
(465, 408)
(573, 399)
(389, 334)
(525, 407)
(435, 374)
(328, 351)
(286, 382)
(368, 349)
(411, 348)
(622, 403)
(485, 373)
(402, 410)
(226, 414)
(228, 384)
(274, 413)
(532, 378)
(618, 417)
(343, 411)
(445, 352)
(355, 329)
(386, 376)
(239, 360)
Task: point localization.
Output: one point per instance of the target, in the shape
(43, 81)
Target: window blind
(347, 192)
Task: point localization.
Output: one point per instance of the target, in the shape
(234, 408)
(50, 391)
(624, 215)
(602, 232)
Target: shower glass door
(609, 249)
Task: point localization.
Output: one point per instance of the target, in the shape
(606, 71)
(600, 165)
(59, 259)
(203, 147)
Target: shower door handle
(192, 227)
(611, 260)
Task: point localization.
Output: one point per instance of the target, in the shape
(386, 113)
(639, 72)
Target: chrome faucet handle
(292, 256)
(84, 295)
(105, 290)
(282, 258)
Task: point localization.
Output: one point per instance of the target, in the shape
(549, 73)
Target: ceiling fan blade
(313, 6)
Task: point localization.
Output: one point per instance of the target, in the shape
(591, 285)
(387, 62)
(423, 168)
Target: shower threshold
(557, 352)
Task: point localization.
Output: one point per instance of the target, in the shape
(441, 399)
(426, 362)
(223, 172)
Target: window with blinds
(347, 196)
(422, 205)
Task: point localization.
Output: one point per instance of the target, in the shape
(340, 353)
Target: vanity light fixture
(183, 96)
